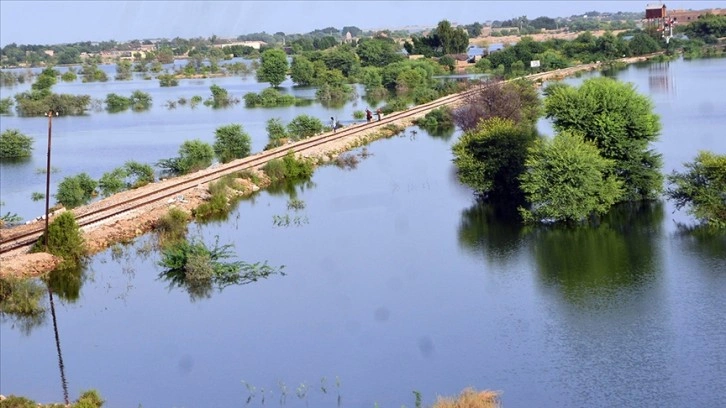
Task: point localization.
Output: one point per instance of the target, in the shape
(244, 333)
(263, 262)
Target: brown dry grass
(470, 398)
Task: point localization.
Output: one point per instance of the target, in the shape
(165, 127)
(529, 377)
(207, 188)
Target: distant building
(254, 44)
(653, 11)
(49, 53)
(687, 16)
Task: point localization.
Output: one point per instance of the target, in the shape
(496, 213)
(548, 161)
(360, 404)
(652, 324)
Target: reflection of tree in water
(66, 282)
(492, 229)
(708, 244)
(619, 252)
(444, 134)
(290, 187)
(200, 269)
(21, 303)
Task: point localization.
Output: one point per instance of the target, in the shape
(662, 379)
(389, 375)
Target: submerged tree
(567, 180)
(622, 125)
(273, 67)
(15, 145)
(490, 158)
(702, 188)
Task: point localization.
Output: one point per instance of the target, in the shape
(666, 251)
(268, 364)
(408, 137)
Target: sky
(57, 22)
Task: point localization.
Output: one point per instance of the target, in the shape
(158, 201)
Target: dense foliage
(273, 67)
(15, 145)
(201, 269)
(567, 180)
(304, 126)
(702, 188)
(194, 155)
(269, 98)
(443, 40)
(76, 190)
(708, 28)
(231, 142)
(622, 125)
(64, 240)
(490, 158)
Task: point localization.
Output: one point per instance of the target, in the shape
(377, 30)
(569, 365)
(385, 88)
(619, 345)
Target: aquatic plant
(200, 269)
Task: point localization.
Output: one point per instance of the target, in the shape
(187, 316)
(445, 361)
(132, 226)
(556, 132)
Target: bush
(140, 101)
(5, 105)
(69, 76)
(359, 114)
(15, 145)
(112, 182)
(199, 268)
(437, 120)
(269, 98)
(231, 142)
(288, 168)
(304, 126)
(76, 190)
(276, 133)
(140, 174)
(167, 80)
(65, 240)
(117, 103)
(394, 105)
(194, 155)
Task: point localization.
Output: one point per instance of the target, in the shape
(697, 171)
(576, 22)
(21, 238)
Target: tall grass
(470, 398)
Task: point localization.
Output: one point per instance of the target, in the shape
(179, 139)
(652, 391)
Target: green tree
(140, 101)
(195, 155)
(302, 71)
(76, 190)
(567, 180)
(231, 142)
(220, 97)
(622, 125)
(167, 80)
(123, 70)
(273, 67)
(642, 44)
(138, 174)
(490, 158)
(64, 239)
(15, 145)
(448, 62)
(276, 133)
(378, 52)
(45, 81)
(117, 103)
(452, 40)
(708, 27)
(112, 182)
(69, 76)
(702, 188)
(5, 105)
(304, 126)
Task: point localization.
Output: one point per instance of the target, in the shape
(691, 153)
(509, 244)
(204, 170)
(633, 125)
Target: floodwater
(398, 281)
